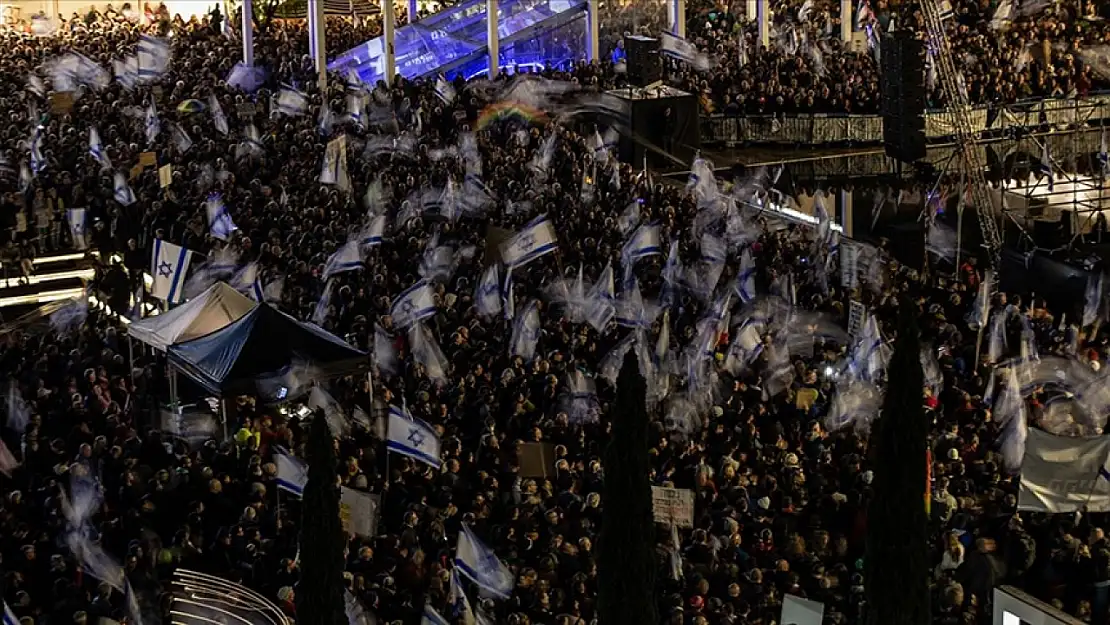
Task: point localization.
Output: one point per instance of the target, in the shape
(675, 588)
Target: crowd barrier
(1052, 114)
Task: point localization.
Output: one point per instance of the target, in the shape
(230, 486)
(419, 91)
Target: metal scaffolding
(959, 107)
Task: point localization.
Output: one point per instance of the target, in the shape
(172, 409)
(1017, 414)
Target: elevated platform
(532, 33)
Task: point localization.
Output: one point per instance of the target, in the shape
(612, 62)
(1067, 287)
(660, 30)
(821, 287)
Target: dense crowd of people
(780, 499)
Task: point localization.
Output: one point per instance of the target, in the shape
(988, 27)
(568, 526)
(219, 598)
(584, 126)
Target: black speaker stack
(644, 60)
(903, 96)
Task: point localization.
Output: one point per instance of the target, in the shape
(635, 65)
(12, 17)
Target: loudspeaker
(645, 63)
(903, 96)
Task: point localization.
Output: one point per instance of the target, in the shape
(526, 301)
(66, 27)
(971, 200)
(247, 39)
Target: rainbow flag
(510, 110)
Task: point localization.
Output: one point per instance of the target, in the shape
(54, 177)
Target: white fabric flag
(292, 474)
(169, 264)
(1064, 474)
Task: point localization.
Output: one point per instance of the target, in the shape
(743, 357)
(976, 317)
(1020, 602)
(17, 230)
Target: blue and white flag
(292, 474)
(248, 281)
(1092, 304)
(291, 102)
(526, 332)
(460, 604)
(412, 437)
(414, 304)
(96, 150)
(122, 191)
(488, 295)
(126, 71)
(481, 565)
(444, 90)
(644, 242)
(9, 616)
(169, 264)
(629, 219)
(431, 617)
(375, 232)
(323, 305)
(153, 57)
(1104, 154)
(508, 299)
(346, 258)
(601, 300)
(151, 123)
(218, 117)
(76, 219)
(38, 161)
(533, 241)
(426, 353)
(220, 224)
(745, 279)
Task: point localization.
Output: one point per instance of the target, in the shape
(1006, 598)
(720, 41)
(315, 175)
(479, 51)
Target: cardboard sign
(61, 102)
(804, 398)
(857, 314)
(536, 460)
(165, 175)
(358, 511)
(136, 171)
(158, 93)
(672, 506)
(148, 159)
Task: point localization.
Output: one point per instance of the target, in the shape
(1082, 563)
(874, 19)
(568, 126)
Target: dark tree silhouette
(320, 599)
(626, 556)
(897, 566)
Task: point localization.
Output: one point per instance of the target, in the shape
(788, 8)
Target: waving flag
(346, 258)
(291, 102)
(220, 224)
(481, 565)
(169, 265)
(488, 295)
(248, 281)
(745, 280)
(431, 617)
(153, 57)
(526, 332)
(535, 240)
(96, 150)
(414, 304)
(644, 242)
(218, 117)
(375, 232)
(292, 474)
(412, 438)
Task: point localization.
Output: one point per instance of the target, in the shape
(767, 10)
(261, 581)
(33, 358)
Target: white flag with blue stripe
(9, 616)
(291, 102)
(460, 604)
(248, 281)
(346, 258)
(412, 305)
(76, 219)
(526, 332)
(218, 117)
(96, 149)
(488, 296)
(481, 565)
(151, 123)
(745, 280)
(169, 264)
(412, 437)
(122, 191)
(292, 474)
(533, 241)
(375, 232)
(153, 57)
(431, 617)
(220, 224)
(643, 242)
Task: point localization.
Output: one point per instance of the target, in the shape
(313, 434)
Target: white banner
(673, 506)
(1064, 474)
(857, 314)
(359, 512)
(849, 265)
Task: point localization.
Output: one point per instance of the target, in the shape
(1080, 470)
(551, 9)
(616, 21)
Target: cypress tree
(896, 566)
(626, 546)
(320, 592)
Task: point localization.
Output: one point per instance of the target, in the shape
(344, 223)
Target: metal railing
(818, 129)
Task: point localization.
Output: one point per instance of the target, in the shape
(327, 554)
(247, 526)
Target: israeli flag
(1104, 154)
(292, 474)
(220, 224)
(38, 161)
(414, 304)
(153, 57)
(375, 232)
(444, 90)
(180, 138)
(218, 116)
(291, 102)
(249, 282)
(96, 150)
(478, 563)
(151, 123)
(535, 240)
(488, 296)
(9, 616)
(122, 192)
(526, 332)
(412, 437)
(508, 300)
(600, 301)
(643, 243)
(431, 617)
(126, 71)
(745, 280)
(1092, 304)
(169, 265)
(346, 258)
(76, 219)
(460, 604)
